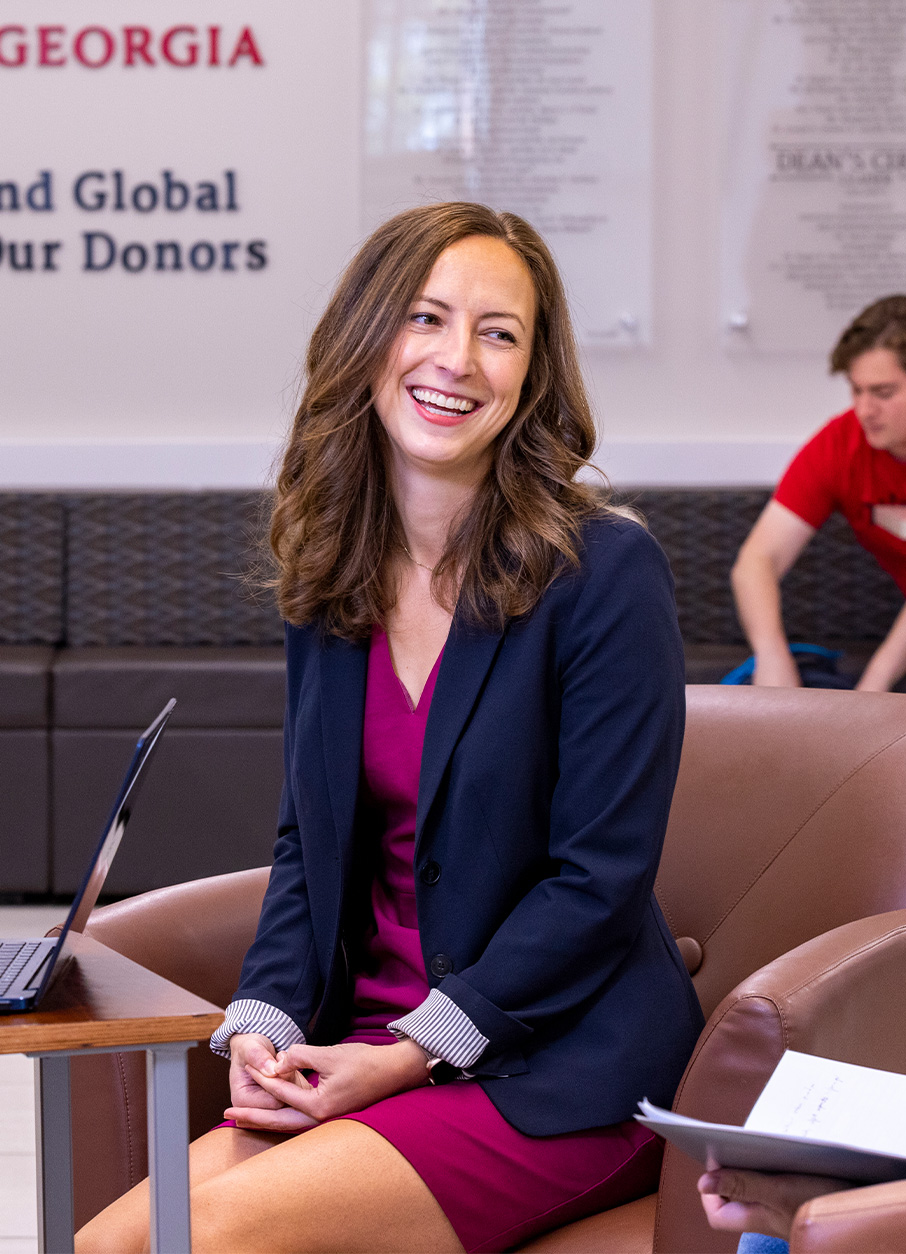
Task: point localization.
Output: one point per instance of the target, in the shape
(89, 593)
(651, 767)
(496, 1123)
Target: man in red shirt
(855, 464)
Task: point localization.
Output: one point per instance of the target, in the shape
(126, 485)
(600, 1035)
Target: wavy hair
(334, 527)
(880, 325)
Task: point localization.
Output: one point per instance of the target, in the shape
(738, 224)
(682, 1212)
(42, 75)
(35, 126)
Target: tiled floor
(18, 1212)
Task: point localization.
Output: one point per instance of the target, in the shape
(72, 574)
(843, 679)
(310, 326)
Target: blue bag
(817, 668)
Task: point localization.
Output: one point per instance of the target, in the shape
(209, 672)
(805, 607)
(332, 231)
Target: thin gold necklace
(429, 569)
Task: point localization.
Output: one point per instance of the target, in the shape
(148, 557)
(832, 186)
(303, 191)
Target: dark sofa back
(150, 569)
(112, 602)
(31, 568)
(836, 593)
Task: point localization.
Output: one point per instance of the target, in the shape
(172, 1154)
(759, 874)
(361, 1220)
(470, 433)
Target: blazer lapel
(468, 655)
(344, 668)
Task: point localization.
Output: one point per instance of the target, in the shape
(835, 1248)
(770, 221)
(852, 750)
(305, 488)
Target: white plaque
(814, 210)
(150, 217)
(541, 109)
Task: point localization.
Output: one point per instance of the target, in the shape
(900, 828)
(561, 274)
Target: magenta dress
(497, 1186)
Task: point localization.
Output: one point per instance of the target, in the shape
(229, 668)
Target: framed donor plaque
(544, 110)
(814, 198)
(149, 222)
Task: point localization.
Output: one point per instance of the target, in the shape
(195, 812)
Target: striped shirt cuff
(248, 1015)
(443, 1030)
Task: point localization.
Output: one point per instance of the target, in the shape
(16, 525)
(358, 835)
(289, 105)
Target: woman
(484, 719)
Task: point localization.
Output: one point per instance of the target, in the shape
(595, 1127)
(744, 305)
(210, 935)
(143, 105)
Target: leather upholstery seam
(845, 1211)
(805, 822)
(810, 1224)
(865, 948)
(707, 1032)
(127, 1110)
(714, 1023)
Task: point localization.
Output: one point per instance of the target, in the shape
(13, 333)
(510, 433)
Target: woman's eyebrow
(491, 313)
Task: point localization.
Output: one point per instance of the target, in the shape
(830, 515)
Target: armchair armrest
(859, 1221)
(839, 995)
(194, 934)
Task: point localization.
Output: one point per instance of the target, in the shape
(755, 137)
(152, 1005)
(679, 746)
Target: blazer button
(441, 965)
(430, 873)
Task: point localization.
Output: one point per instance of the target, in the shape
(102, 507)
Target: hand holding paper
(815, 1116)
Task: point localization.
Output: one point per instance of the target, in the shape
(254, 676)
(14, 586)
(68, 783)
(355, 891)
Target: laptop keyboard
(13, 957)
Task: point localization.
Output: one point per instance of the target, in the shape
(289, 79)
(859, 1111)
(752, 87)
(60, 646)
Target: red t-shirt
(839, 470)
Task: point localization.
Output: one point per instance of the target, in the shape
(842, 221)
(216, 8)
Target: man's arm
(888, 663)
(769, 551)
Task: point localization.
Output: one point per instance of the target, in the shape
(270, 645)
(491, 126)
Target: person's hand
(888, 662)
(249, 1049)
(758, 1201)
(350, 1077)
(776, 670)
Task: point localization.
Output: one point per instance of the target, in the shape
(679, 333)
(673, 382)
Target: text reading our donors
(168, 195)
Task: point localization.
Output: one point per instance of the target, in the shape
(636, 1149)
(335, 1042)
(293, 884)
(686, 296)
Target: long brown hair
(335, 527)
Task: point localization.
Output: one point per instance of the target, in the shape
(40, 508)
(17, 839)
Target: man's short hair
(881, 325)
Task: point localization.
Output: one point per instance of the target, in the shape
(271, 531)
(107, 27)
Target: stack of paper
(815, 1115)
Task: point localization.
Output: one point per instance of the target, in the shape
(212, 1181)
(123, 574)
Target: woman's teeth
(440, 403)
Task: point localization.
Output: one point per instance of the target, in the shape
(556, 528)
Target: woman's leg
(123, 1227)
(339, 1187)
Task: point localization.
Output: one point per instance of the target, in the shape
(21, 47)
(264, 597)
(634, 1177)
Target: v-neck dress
(497, 1186)
(392, 980)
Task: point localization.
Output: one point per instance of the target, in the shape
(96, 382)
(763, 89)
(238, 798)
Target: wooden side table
(104, 1003)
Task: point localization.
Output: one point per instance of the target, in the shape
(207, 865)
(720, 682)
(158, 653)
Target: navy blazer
(549, 761)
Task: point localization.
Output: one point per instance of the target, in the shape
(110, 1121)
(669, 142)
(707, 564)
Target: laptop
(26, 966)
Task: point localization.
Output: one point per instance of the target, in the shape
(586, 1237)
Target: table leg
(168, 1155)
(53, 1135)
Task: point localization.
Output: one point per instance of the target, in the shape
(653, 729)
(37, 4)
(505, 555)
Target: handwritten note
(833, 1101)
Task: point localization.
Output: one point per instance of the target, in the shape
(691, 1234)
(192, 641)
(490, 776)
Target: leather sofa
(783, 861)
(110, 603)
(216, 780)
(113, 602)
(835, 595)
(24, 768)
(31, 621)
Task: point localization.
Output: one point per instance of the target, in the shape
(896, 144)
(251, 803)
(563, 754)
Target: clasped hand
(270, 1093)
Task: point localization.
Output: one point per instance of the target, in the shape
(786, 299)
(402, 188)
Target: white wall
(686, 410)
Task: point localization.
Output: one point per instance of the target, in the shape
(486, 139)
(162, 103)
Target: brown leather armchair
(787, 822)
(861, 1221)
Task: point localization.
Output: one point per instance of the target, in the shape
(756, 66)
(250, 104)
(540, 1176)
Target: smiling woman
(483, 726)
(420, 307)
(456, 373)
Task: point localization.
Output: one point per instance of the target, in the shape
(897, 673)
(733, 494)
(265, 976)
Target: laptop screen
(96, 873)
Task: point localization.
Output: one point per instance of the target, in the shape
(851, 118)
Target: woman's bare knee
(340, 1187)
(122, 1228)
